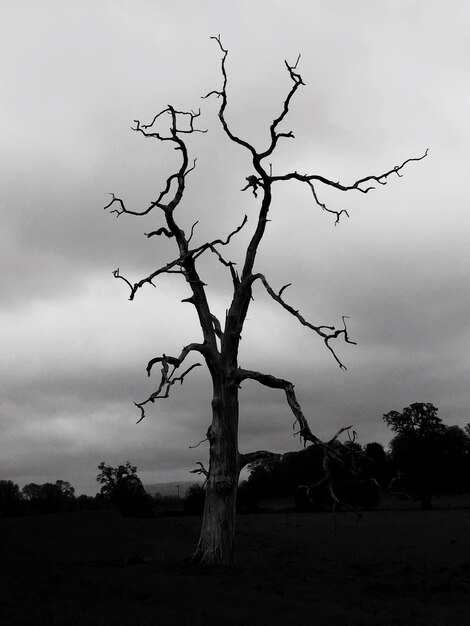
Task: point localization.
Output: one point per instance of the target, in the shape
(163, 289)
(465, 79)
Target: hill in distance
(170, 489)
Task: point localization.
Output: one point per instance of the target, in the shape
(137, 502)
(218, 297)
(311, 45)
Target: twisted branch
(320, 330)
(166, 269)
(358, 185)
(333, 450)
(118, 204)
(167, 379)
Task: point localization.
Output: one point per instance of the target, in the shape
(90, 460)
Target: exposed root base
(200, 557)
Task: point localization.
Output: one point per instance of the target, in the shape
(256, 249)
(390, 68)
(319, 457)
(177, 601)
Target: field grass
(94, 568)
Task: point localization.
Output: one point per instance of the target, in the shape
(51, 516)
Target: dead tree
(220, 343)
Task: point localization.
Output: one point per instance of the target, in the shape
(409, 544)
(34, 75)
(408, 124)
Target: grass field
(94, 568)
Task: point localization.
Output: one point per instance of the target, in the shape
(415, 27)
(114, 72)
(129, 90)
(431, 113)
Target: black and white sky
(384, 80)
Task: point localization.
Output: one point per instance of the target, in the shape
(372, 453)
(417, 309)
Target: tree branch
(275, 136)
(166, 269)
(168, 378)
(211, 245)
(201, 470)
(196, 252)
(223, 94)
(160, 231)
(178, 176)
(176, 361)
(320, 330)
(259, 455)
(332, 450)
(358, 185)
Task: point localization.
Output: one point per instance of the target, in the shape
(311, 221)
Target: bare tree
(220, 342)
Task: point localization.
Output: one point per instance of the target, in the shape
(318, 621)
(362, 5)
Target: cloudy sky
(384, 80)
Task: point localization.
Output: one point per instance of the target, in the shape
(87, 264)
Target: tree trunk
(215, 546)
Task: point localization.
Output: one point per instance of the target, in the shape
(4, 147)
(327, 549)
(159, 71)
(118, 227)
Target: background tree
(219, 346)
(49, 497)
(31, 491)
(122, 486)
(10, 499)
(432, 457)
(420, 419)
(377, 463)
(193, 503)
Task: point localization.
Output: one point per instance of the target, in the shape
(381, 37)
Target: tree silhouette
(193, 503)
(122, 487)
(431, 456)
(220, 342)
(49, 497)
(10, 499)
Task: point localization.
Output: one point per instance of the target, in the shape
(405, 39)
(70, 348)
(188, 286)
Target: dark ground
(391, 567)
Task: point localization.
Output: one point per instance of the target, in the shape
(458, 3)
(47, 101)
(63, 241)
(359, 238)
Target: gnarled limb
(330, 451)
(357, 185)
(322, 330)
(196, 252)
(259, 455)
(273, 382)
(176, 361)
(163, 390)
(223, 94)
(211, 245)
(166, 269)
(144, 128)
(275, 136)
(158, 232)
(381, 179)
(168, 378)
(200, 470)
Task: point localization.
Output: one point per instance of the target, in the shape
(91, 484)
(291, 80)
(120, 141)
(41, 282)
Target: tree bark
(216, 541)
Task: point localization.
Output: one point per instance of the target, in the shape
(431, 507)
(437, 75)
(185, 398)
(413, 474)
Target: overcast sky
(384, 80)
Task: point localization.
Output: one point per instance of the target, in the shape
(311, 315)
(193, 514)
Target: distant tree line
(424, 458)
(46, 498)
